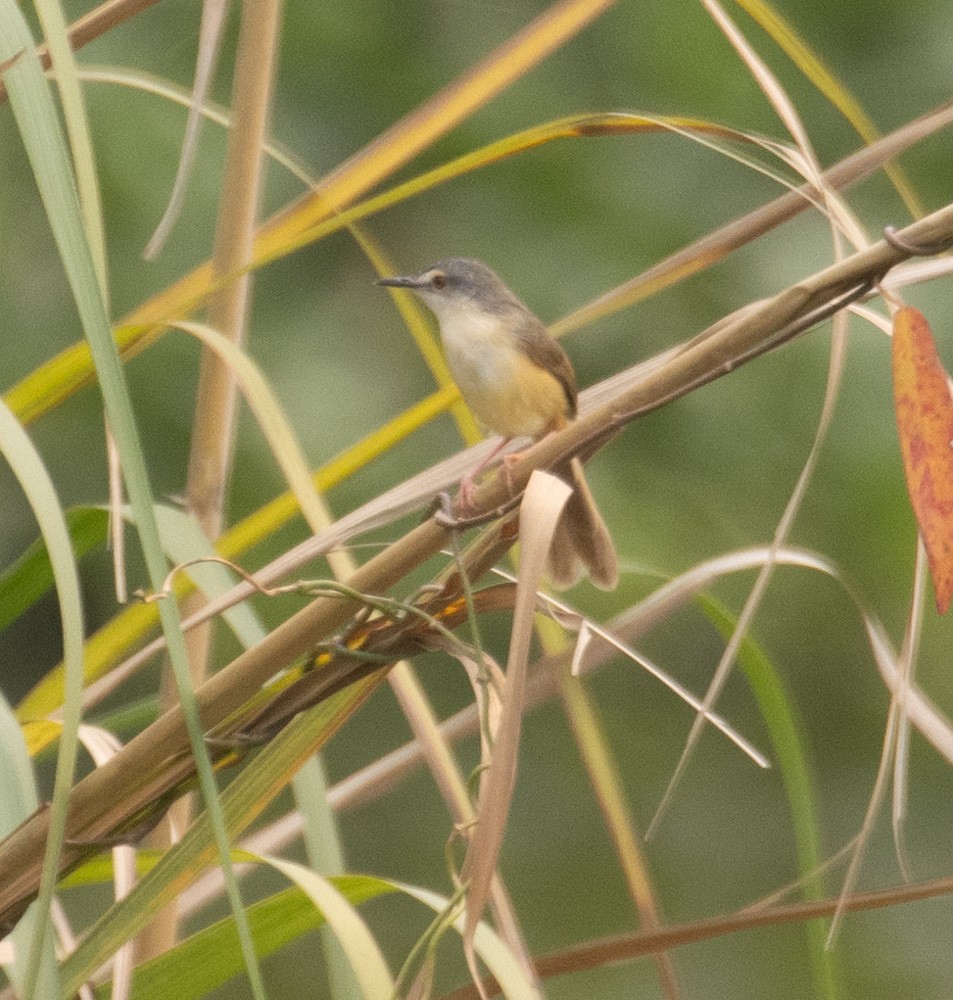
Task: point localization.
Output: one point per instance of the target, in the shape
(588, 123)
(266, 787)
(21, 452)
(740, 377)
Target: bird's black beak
(399, 282)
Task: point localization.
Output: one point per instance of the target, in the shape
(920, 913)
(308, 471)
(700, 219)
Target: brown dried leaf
(543, 502)
(924, 410)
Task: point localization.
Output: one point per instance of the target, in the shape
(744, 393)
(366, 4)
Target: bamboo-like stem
(213, 432)
(214, 422)
(213, 427)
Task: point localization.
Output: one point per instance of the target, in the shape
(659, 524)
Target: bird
(518, 382)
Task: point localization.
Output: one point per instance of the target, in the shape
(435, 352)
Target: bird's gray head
(459, 283)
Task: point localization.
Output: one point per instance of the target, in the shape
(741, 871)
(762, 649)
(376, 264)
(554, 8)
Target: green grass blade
(783, 727)
(325, 854)
(39, 127)
(74, 114)
(35, 481)
(31, 576)
(244, 799)
(211, 956)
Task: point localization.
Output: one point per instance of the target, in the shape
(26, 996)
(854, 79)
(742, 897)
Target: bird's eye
(439, 280)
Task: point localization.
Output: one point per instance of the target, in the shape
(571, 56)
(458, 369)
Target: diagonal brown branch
(595, 954)
(97, 802)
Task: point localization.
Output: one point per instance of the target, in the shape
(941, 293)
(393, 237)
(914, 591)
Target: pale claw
(465, 502)
(509, 461)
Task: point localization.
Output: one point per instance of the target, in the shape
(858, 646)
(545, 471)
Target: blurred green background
(708, 474)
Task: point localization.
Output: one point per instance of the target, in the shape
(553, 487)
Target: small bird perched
(518, 382)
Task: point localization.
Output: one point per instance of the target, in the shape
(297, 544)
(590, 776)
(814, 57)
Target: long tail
(582, 540)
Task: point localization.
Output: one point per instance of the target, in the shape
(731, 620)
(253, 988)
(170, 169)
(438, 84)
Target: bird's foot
(506, 468)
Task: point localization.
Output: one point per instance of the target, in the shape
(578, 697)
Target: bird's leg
(467, 484)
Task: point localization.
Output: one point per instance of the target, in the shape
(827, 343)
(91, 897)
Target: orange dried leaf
(924, 408)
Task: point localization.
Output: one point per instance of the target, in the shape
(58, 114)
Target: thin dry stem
(625, 947)
(607, 784)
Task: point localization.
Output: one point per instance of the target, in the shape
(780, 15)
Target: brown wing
(542, 350)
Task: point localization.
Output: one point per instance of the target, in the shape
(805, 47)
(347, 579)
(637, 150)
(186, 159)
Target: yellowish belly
(506, 391)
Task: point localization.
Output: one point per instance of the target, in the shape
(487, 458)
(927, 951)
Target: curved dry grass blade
(352, 933)
(214, 13)
(545, 497)
(806, 163)
(159, 87)
(766, 80)
(719, 244)
(101, 746)
(586, 125)
(813, 67)
(583, 659)
(927, 717)
(488, 683)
